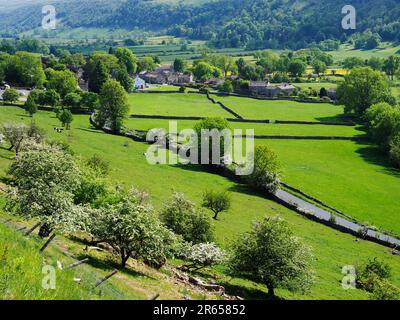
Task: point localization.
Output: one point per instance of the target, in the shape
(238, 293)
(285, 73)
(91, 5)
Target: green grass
(21, 272)
(315, 85)
(175, 104)
(332, 249)
(383, 51)
(281, 109)
(259, 128)
(350, 176)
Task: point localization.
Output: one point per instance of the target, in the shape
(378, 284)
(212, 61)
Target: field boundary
(266, 121)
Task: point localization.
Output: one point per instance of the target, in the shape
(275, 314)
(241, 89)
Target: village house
(214, 82)
(261, 88)
(139, 83)
(286, 89)
(165, 75)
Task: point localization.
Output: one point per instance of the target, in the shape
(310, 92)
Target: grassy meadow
(282, 110)
(332, 249)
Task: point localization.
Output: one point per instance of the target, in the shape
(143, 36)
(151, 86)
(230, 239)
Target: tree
(31, 105)
(362, 88)
(24, 69)
(124, 79)
(146, 64)
(323, 92)
(203, 255)
(353, 62)
(216, 201)
(66, 118)
(383, 123)
(392, 66)
(63, 82)
(10, 95)
(50, 98)
(227, 86)
(214, 133)
(98, 76)
(17, 133)
(319, 67)
(203, 71)
(183, 218)
(180, 65)
(127, 59)
(272, 255)
(72, 100)
(44, 181)
(131, 229)
(90, 101)
(394, 151)
(266, 170)
(297, 67)
(114, 105)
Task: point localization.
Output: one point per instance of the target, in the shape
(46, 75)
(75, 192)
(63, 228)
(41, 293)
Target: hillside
(225, 23)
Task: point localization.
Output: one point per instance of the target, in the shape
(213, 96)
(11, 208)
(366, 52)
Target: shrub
(383, 290)
(371, 272)
(395, 150)
(266, 173)
(10, 95)
(216, 201)
(182, 217)
(203, 255)
(98, 164)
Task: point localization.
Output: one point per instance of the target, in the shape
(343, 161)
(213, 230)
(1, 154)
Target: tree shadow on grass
(371, 154)
(107, 265)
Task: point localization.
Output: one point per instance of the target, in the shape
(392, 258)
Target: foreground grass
(21, 272)
(332, 249)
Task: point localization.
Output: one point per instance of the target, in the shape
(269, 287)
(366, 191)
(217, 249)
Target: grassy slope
(332, 249)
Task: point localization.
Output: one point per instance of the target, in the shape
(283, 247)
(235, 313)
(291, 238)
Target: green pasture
(331, 248)
(250, 108)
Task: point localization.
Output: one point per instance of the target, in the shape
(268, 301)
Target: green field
(332, 249)
(282, 110)
(353, 177)
(174, 104)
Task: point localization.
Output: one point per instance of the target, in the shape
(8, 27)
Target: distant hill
(226, 23)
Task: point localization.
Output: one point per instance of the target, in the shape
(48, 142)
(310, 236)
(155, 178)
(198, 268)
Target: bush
(371, 272)
(10, 95)
(266, 173)
(383, 290)
(182, 217)
(203, 255)
(395, 150)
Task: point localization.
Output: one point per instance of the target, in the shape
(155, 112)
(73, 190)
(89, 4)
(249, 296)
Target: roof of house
(285, 86)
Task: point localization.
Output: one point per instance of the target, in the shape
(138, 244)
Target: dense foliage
(228, 23)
